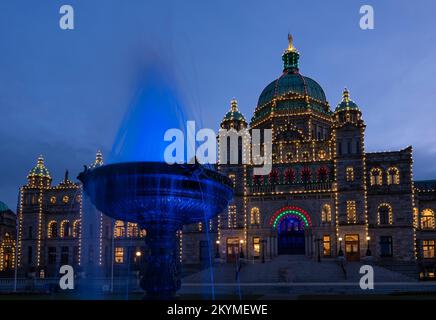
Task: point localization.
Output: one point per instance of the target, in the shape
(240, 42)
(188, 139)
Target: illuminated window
(143, 233)
(351, 212)
(78, 198)
(132, 230)
(427, 219)
(65, 199)
(393, 176)
(65, 228)
(120, 229)
(428, 249)
(119, 255)
(52, 229)
(53, 200)
(327, 245)
(255, 216)
(376, 177)
(326, 214)
(385, 214)
(231, 222)
(256, 247)
(76, 228)
(349, 172)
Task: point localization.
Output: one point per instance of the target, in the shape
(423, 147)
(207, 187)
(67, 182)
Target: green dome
(3, 207)
(39, 170)
(233, 116)
(346, 103)
(292, 83)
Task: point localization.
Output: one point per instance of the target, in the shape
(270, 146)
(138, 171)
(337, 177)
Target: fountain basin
(161, 198)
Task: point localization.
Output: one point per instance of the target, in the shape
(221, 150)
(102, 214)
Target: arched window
(385, 214)
(306, 175)
(255, 216)
(120, 229)
(393, 176)
(326, 214)
(65, 228)
(76, 228)
(52, 229)
(376, 177)
(427, 219)
(273, 177)
(322, 174)
(349, 174)
(289, 176)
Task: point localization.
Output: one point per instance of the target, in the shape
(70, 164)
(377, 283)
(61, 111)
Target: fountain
(161, 198)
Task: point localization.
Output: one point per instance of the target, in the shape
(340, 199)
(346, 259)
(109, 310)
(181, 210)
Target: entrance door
(291, 236)
(232, 249)
(352, 250)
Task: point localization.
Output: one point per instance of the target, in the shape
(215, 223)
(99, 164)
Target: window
(327, 246)
(256, 247)
(231, 221)
(322, 154)
(52, 230)
(51, 255)
(339, 147)
(65, 199)
(427, 219)
(326, 214)
(385, 214)
(65, 228)
(428, 249)
(65, 252)
(255, 216)
(305, 155)
(386, 246)
(132, 230)
(119, 255)
(30, 232)
(357, 146)
(351, 212)
(120, 230)
(53, 200)
(349, 151)
(376, 177)
(349, 174)
(393, 176)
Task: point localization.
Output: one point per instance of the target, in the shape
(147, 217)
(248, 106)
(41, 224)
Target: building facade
(325, 197)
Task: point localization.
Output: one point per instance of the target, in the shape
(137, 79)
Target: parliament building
(325, 198)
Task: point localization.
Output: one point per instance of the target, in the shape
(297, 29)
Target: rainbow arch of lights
(284, 212)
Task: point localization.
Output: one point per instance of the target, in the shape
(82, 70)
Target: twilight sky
(63, 94)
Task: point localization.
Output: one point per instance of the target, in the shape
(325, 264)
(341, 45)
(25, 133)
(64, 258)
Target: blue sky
(63, 94)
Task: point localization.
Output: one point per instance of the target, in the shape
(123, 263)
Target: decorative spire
(234, 105)
(291, 47)
(345, 95)
(40, 162)
(290, 57)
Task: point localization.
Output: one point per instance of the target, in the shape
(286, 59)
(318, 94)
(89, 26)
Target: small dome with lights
(346, 103)
(234, 118)
(98, 160)
(39, 170)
